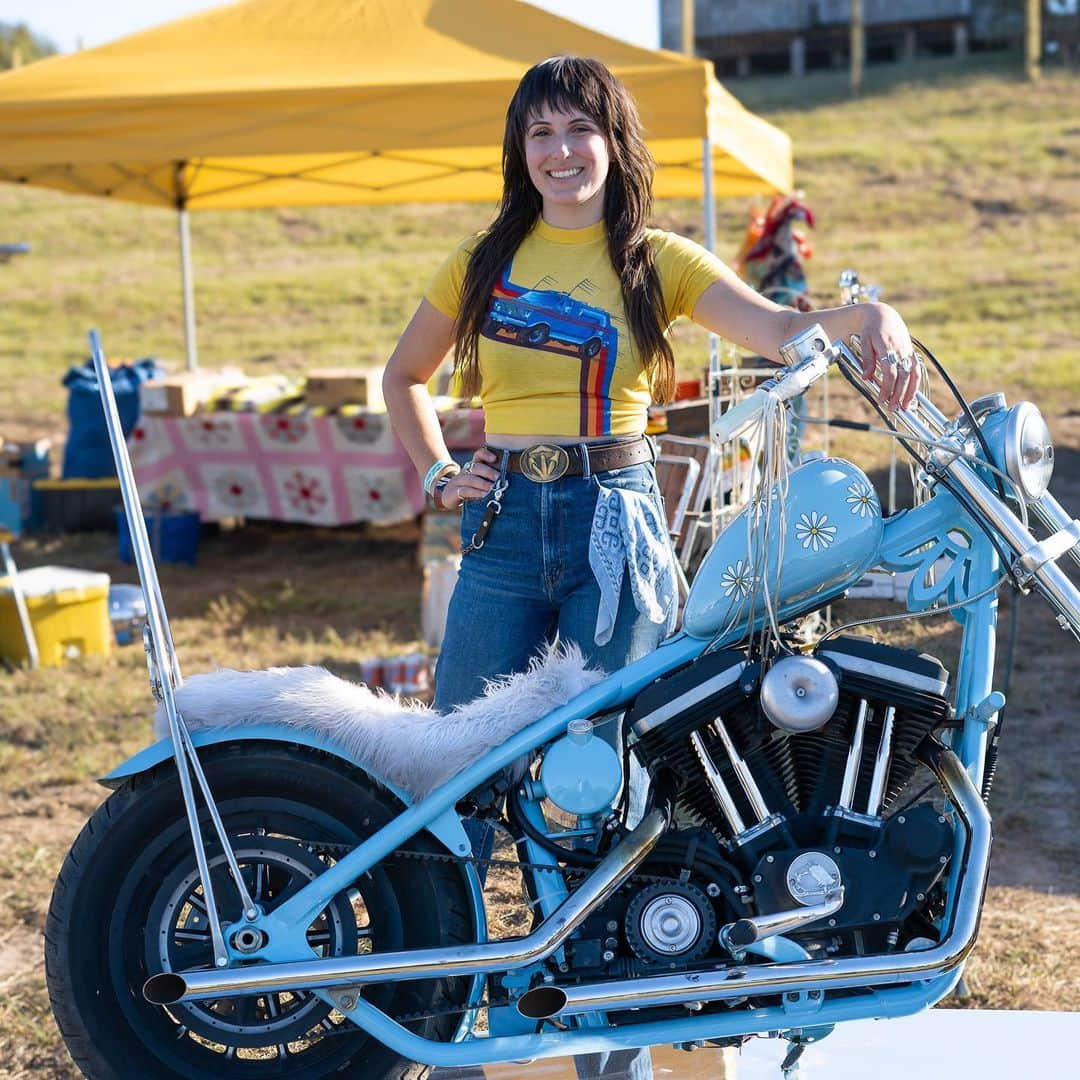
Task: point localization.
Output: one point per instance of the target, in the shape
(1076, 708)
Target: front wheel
(128, 904)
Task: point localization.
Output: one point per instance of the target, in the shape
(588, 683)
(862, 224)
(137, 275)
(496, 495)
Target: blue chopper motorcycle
(814, 847)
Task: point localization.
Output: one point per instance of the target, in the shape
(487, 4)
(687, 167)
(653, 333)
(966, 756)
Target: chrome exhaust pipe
(741, 980)
(171, 988)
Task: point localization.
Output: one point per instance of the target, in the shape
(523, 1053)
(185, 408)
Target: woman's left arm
(730, 308)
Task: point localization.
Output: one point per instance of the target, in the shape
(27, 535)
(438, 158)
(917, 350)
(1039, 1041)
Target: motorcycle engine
(793, 775)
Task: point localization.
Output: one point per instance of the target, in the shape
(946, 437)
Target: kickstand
(789, 1067)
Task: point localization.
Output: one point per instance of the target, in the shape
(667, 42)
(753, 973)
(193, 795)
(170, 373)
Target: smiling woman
(567, 157)
(559, 315)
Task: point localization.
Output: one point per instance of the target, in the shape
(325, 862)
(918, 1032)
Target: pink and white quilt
(323, 470)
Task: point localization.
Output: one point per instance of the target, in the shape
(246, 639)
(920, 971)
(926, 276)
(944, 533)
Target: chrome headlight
(1029, 450)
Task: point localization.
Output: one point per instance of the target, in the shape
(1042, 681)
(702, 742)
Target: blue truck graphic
(539, 316)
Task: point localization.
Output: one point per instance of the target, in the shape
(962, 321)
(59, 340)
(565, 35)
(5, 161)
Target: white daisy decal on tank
(861, 499)
(814, 532)
(737, 580)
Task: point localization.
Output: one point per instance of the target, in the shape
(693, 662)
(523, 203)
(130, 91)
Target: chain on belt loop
(491, 512)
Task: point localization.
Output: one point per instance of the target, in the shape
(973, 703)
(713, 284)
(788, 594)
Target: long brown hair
(566, 83)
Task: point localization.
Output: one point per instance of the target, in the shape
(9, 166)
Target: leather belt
(546, 462)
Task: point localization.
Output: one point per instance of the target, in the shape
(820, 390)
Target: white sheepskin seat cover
(401, 741)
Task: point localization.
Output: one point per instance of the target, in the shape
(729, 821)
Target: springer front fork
(164, 670)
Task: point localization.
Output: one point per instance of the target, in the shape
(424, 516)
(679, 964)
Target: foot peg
(737, 935)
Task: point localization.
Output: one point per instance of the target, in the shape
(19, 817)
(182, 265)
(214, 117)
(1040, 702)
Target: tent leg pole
(188, 282)
(716, 495)
(710, 230)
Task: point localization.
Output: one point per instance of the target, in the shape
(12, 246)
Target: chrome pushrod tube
(881, 764)
(854, 758)
(169, 988)
(719, 788)
(742, 771)
(742, 980)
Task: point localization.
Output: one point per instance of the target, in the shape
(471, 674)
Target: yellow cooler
(69, 611)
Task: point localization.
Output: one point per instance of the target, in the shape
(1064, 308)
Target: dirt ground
(1030, 937)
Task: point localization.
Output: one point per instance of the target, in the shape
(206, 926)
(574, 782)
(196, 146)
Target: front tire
(126, 906)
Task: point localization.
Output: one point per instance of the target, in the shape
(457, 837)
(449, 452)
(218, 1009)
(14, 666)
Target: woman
(558, 314)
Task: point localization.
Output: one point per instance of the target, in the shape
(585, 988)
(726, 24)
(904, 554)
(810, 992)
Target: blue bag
(87, 453)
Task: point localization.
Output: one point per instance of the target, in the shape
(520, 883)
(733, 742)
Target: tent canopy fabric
(316, 102)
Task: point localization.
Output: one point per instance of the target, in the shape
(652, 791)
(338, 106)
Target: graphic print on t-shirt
(553, 321)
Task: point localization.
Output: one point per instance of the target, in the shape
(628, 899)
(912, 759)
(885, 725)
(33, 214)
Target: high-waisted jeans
(530, 583)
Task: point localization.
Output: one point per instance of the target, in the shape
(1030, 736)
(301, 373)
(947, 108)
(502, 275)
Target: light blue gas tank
(832, 531)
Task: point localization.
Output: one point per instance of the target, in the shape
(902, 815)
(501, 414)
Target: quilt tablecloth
(323, 470)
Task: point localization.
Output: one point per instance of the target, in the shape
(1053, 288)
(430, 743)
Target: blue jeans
(530, 583)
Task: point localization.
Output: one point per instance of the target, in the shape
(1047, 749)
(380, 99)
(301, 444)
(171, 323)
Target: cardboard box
(332, 387)
(178, 395)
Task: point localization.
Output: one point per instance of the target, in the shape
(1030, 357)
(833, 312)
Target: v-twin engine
(796, 774)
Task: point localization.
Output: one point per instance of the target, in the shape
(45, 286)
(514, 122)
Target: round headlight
(1029, 450)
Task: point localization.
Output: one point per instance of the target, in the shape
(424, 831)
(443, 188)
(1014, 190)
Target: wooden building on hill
(746, 37)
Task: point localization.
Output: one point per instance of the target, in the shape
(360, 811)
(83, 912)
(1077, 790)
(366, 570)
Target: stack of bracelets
(438, 476)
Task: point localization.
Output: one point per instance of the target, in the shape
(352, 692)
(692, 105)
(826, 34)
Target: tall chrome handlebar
(810, 355)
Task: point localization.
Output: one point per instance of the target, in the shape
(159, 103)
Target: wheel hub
(249, 940)
(273, 868)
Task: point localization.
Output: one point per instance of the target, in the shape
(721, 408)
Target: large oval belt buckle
(544, 463)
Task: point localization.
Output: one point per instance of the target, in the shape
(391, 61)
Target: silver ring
(468, 466)
(906, 363)
(891, 359)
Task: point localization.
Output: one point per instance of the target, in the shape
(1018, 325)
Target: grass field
(955, 186)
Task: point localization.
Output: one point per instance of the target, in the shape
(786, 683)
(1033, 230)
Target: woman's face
(567, 157)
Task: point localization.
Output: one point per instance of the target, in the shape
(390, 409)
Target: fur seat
(402, 741)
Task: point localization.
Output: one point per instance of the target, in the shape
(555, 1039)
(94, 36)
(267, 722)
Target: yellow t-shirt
(556, 354)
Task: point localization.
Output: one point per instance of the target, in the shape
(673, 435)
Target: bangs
(564, 84)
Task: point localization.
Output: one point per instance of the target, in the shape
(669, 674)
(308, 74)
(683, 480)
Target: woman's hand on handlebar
(888, 356)
(474, 481)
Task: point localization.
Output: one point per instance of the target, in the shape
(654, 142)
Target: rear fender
(446, 828)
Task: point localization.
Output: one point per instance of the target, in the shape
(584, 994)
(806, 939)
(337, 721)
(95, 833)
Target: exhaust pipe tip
(542, 1002)
(164, 989)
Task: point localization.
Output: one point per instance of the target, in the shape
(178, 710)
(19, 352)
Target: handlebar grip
(739, 417)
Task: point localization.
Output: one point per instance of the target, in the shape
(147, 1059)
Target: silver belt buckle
(544, 463)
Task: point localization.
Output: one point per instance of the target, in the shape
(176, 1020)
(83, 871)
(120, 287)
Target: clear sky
(71, 23)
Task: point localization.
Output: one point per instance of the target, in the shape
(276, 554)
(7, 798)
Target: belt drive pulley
(670, 923)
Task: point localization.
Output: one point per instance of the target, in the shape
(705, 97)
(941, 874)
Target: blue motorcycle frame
(952, 526)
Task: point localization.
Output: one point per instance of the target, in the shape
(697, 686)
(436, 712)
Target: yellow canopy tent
(303, 102)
